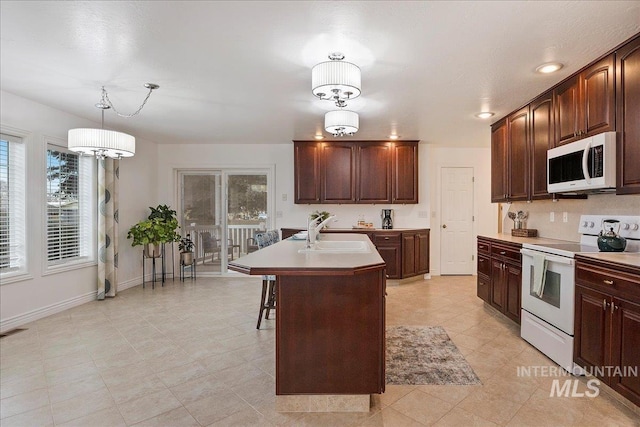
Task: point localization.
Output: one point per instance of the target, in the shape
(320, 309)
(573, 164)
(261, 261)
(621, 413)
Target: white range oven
(548, 287)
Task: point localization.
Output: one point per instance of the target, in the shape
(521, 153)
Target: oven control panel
(593, 224)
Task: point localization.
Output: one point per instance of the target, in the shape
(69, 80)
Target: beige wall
(539, 213)
(43, 293)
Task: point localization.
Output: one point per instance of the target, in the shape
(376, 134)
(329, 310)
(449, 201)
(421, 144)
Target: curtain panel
(108, 178)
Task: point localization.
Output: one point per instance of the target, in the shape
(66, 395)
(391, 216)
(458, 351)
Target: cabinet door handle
(444, 225)
(502, 252)
(608, 282)
(605, 304)
(386, 238)
(614, 307)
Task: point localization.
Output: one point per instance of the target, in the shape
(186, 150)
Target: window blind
(13, 251)
(69, 207)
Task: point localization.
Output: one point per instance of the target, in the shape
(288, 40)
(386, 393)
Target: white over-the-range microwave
(587, 165)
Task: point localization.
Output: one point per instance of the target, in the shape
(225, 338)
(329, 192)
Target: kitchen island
(330, 317)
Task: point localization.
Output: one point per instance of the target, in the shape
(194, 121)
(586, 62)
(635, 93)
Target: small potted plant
(186, 250)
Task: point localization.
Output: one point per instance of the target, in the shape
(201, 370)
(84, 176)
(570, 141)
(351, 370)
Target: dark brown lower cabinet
(499, 280)
(415, 253)
(316, 329)
(484, 273)
(389, 246)
(607, 324)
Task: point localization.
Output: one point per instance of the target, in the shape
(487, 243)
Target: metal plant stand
(163, 272)
(190, 267)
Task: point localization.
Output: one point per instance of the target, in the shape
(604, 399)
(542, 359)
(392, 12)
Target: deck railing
(238, 235)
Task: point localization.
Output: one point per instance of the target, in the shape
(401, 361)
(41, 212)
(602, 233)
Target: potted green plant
(186, 250)
(160, 227)
(323, 215)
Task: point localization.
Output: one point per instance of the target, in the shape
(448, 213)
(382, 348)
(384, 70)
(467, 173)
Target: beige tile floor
(189, 355)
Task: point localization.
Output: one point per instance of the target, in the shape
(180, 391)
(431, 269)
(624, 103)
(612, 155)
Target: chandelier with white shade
(341, 122)
(336, 80)
(102, 142)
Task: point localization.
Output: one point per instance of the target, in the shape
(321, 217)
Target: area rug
(425, 355)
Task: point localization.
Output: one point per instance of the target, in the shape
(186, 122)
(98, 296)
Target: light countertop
(624, 258)
(520, 240)
(283, 258)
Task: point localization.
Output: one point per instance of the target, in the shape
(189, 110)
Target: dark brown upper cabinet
(306, 157)
(338, 173)
(604, 96)
(404, 171)
(374, 172)
(499, 165)
(585, 103)
(366, 172)
(509, 169)
(517, 147)
(628, 117)
(541, 123)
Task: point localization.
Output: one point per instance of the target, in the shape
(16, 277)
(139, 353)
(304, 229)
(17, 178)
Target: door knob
(444, 225)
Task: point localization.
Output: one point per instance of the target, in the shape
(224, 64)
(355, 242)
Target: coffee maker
(387, 218)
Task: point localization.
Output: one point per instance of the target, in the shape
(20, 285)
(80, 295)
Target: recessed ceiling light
(394, 137)
(485, 115)
(319, 137)
(549, 67)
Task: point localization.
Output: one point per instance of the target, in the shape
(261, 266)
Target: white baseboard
(129, 283)
(22, 319)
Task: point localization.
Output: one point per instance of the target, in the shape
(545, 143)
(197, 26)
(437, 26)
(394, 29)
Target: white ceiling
(240, 71)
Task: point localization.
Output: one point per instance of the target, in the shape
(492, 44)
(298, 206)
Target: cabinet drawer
(506, 253)
(614, 282)
(484, 247)
(484, 288)
(484, 265)
(386, 238)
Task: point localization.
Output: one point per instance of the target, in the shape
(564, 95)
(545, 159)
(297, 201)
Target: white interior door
(456, 228)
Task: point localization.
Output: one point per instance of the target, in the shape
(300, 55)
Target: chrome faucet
(313, 229)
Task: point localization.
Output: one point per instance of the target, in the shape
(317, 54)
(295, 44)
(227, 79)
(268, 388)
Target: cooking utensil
(609, 240)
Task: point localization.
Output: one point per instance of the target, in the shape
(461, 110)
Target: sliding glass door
(221, 210)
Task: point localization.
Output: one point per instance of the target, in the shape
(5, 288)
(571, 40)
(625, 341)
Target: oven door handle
(550, 258)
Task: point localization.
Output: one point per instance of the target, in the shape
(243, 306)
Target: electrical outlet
(278, 214)
(565, 217)
(284, 197)
(552, 216)
(423, 214)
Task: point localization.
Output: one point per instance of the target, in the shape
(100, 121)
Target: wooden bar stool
(268, 300)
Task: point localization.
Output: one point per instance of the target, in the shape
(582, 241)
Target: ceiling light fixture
(336, 80)
(341, 122)
(485, 114)
(549, 67)
(102, 142)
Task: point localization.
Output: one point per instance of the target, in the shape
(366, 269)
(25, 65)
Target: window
(13, 258)
(70, 201)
